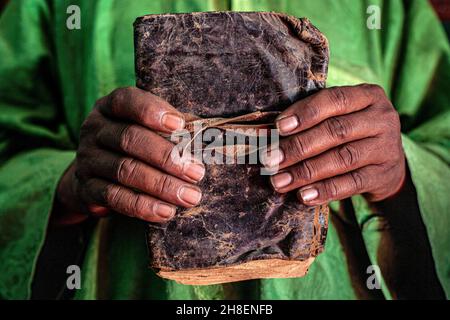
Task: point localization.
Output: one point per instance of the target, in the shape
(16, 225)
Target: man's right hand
(123, 165)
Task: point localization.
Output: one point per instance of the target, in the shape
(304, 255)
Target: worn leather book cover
(232, 70)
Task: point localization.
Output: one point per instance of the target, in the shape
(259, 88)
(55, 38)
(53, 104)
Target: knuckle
(142, 115)
(165, 160)
(87, 127)
(126, 170)
(396, 155)
(391, 118)
(163, 184)
(128, 138)
(139, 205)
(116, 97)
(304, 171)
(358, 181)
(311, 112)
(394, 118)
(338, 128)
(93, 122)
(375, 89)
(100, 136)
(373, 92)
(348, 155)
(296, 146)
(331, 189)
(111, 195)
(338, 98)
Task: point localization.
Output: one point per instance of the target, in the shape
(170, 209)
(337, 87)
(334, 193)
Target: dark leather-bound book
(232, 70)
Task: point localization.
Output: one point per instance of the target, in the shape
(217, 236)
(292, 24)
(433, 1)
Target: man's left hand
(337, 143)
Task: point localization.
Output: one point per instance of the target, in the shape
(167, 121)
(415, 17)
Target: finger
(143, 144)
(327, 103)
(142, 107)
(337, 161)
(102, 193)
(340, 187)
(135, 174)
(330, 133)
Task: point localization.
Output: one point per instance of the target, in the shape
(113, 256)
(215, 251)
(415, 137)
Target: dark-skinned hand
(337, 143)
(123, 165)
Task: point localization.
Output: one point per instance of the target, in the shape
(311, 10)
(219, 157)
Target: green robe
(51, 76)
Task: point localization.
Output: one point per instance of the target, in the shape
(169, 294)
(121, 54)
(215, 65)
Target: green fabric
(39, 129)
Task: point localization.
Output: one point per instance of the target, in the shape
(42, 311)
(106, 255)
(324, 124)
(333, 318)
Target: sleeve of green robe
(35, 148)
(419, 91)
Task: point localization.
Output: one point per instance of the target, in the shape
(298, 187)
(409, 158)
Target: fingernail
(195, 171)
(172, 122)
(309, 194)
(190, 195)
(281, 180)
(288, 124)
(164, 210)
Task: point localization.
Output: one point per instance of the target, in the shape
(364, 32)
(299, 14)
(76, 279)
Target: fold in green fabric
(50, 77)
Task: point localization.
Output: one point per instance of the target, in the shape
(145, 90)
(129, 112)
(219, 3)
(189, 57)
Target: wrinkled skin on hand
(337, 143)
(123, 165)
